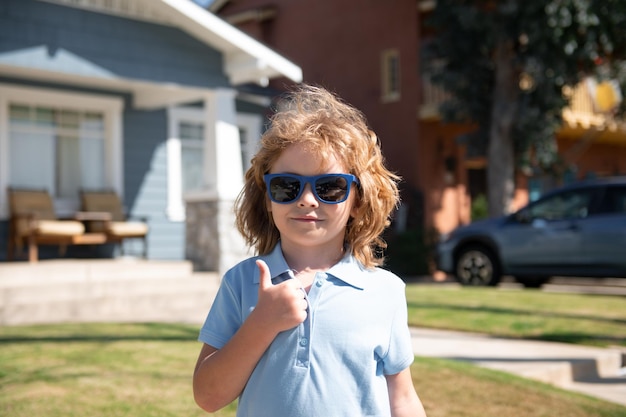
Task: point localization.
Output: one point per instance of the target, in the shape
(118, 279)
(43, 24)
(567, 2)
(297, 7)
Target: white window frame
(251, 123)
(110, 107)
(175, 199)
(390, 76)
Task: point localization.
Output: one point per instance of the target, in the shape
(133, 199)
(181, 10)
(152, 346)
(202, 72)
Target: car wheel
(532, 281)
(478, 266)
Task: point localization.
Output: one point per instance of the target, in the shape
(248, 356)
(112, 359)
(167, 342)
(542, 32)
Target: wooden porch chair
(118, 227)
(33, 222)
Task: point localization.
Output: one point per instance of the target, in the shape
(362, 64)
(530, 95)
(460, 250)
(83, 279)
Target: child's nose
(308, 197)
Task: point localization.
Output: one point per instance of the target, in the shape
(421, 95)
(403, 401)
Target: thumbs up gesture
(282, 306)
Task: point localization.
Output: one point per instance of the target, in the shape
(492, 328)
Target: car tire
(476, 265)
(532, 281)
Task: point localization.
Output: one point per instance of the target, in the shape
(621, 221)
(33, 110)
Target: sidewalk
(593, 371)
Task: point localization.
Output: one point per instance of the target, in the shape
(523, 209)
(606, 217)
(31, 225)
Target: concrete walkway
(593, 371)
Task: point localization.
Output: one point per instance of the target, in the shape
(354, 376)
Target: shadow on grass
(578, 338)
(67, 333)
(497, 310)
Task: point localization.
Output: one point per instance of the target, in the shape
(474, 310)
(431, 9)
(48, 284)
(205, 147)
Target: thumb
(265, 278)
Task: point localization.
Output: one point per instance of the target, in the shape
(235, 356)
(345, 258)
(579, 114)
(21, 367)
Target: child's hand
(282, 306)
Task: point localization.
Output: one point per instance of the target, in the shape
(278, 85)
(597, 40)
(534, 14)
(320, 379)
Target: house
(150, 98)
(368, 52)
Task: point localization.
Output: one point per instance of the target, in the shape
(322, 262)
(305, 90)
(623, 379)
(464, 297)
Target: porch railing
(580, 113)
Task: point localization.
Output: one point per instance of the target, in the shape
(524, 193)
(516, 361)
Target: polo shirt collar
(275, 261)
(348, 269)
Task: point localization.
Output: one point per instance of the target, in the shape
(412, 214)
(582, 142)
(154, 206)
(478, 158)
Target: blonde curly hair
(327, 125)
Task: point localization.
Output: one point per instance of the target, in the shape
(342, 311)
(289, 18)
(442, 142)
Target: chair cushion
(59, 228)
(122, 229)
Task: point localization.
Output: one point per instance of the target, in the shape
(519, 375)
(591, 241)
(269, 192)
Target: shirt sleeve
(400, 353)
(224, 318)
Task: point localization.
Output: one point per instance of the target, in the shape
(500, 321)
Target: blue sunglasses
(327, 188)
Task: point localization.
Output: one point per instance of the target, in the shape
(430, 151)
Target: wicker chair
(33, 222)
(118, 227)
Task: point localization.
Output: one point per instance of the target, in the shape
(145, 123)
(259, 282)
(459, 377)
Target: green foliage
(409, 253)
(479, 208)
(552, 44)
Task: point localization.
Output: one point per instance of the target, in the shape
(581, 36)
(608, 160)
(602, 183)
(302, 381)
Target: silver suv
(578, 230)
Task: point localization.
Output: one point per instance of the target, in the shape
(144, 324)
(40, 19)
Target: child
(311, 327)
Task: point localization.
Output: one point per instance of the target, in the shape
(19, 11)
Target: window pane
(191, 160)
(92, 163)
(243, 145)
(45, 117)
(32, 157)
(68, 167)
(19, 114)
(70, 119)
(191, 131)
(615, 200)
(563, 206)
(93, 122)
(192, 154)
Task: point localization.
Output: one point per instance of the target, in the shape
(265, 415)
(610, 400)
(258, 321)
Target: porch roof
(245, 60)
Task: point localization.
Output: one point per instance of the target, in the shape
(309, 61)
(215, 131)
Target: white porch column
(224, 174)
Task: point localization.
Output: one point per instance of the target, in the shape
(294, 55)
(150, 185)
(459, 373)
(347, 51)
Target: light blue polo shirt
(335, 362)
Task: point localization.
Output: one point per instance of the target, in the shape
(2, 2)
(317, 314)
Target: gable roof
(246, 60)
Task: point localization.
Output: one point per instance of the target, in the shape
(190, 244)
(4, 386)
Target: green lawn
(144, 370)
(572, 318)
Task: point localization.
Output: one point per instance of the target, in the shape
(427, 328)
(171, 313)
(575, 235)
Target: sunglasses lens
(284, 189)
(332, 189)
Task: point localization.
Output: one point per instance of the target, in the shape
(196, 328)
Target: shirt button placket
(304, 337)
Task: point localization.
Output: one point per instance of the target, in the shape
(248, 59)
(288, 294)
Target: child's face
(307, 221)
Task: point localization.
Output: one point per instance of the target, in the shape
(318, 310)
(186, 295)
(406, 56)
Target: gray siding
(145, 174)
(79, 41)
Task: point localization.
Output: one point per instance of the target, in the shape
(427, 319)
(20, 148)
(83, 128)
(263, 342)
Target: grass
(144, 370)
(529, 314)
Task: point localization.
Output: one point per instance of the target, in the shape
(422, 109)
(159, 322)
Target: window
(66, 146)
(390, 75)
(191, 154)
(185, 157)
(567, 205)
(59, 141)
(615, 200)
(250, 126)
(188, 154)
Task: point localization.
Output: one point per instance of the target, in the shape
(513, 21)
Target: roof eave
(246, 59)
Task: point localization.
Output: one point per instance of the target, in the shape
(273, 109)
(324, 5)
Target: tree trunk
(500, 152)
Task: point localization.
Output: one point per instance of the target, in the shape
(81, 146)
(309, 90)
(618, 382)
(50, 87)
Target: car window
(615, 200)
(566, 205)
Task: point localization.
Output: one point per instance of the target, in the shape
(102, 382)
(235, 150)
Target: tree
(506, 64)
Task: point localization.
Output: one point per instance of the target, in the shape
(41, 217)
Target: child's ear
(356, 207)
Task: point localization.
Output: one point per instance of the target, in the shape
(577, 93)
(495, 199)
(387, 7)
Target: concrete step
(62, 270)
(110, 290)
(568, 366)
